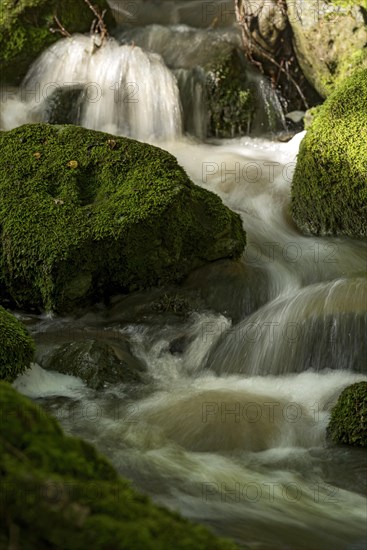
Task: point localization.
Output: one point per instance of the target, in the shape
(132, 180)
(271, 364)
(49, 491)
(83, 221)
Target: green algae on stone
(329, 190)
(58, 492)
(348, 422)
(25, 30)
(121, 219)
(230, 100)
(16, 347)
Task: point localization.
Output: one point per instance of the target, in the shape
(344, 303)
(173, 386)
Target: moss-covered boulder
(348, 422)
(329, 190)
(329, 39)
(57, 492)
(16, 347)
(85, 214)
(25, 30)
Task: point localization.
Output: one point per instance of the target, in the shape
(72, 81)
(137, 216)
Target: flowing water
(229, 423)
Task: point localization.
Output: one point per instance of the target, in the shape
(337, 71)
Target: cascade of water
(124, 90)
(196, 13)
(269, 113)
(216, 438)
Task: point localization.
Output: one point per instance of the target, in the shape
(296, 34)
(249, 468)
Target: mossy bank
(16, 347)
(348, 423)
(329, 190)
(84, 214)
(58, 492)
(25, 30)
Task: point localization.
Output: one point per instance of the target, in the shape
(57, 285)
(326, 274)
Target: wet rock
(63, 106)
(230, 99)
(231, 288)
(99, 364)
(179, 345)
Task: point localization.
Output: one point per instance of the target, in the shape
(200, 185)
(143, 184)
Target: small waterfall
(269, 113)
(193, 47)
(320, 327)
(124, 90)
(192, 86)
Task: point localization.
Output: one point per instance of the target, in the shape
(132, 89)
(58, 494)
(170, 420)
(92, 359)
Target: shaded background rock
(267, 40)
(329, 40)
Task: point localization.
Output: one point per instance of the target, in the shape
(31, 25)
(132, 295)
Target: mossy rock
(230, 100)
(58, 492)
(85, 214)
(348, 422)
(25, 30)
(16, 348)
(329, 39)
(329, 190)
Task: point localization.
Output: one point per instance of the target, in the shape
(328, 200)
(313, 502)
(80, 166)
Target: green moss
(16, 348)
(230, 101)
(329, 190)
(25, 30)
(348, 422)
(58, 492)
(172, 303)
(83, 213)
(347, 66)
(349, 3)
(331, 46)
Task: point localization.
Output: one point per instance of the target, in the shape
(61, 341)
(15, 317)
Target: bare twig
(98, 26)
(61, 29)
(247, 39)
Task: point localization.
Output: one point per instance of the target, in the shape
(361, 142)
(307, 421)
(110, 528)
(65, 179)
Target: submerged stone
(329, 190)
(122, 217)
(16, 347)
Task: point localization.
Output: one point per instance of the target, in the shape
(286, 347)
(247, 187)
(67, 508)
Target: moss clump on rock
(85, 214)
(230, 101)
(329, 40)
(329, 191)
(58, 492)
(348, 422)
(25, 30)
(16, 347)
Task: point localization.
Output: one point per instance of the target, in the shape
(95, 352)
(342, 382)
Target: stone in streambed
(93, 214)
